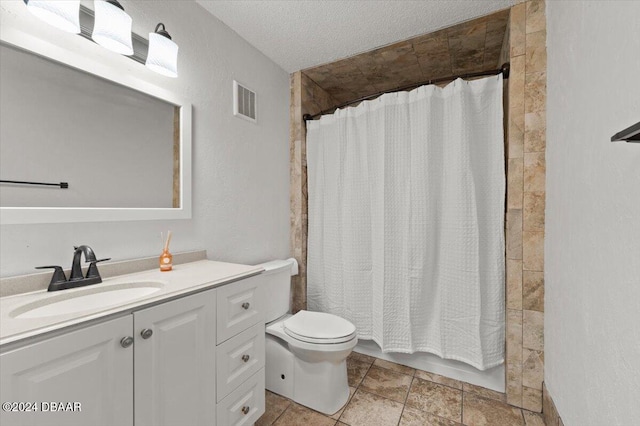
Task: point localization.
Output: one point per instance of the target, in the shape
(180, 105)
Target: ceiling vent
(244, 102)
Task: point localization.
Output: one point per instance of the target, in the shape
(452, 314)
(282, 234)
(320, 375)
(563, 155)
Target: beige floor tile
(274, 407)
(436, 378)
(356, 370)
(386, 383)
(366, 409)
(413, 417)
(297, 415)
(339, 413)
(398, 368)
(436, 399)
(479, 411)
(361, 357)
(533, 419)
(487, 393)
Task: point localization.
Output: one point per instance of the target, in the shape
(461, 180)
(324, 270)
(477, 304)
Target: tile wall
(306, 98)
(525, 197)
(525, 205)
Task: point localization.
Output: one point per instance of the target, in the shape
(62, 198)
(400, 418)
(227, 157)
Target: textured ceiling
(465, 48)
(299, 34)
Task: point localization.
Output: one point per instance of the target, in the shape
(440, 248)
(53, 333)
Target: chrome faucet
(59, 279)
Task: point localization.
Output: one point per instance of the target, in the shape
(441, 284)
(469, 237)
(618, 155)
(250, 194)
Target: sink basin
(86, 299)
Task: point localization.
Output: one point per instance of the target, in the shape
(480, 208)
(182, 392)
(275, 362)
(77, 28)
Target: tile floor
(384, 393)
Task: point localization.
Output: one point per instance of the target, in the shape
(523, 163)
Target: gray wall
(592, 244)
(240, 169)
(113, 145)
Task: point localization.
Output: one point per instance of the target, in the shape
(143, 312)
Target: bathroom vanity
(150, 348)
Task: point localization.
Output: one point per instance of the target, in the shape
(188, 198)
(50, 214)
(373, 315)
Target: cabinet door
(175, 365)
(88, 366)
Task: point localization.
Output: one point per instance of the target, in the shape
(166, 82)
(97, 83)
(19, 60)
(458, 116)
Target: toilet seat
(319, 328)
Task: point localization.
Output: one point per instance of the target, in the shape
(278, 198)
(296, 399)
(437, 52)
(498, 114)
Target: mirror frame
(84, 62)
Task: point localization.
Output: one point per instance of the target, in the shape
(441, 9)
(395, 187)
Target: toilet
(306, 353)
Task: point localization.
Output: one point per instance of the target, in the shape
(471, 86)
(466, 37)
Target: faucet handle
(93, 268)
(58, 274)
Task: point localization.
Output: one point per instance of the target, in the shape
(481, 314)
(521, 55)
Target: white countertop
(184, 279)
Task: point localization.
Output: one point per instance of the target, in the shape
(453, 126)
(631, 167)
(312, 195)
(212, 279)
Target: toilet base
(319, 385)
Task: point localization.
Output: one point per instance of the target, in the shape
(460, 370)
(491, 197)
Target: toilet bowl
(306, 353)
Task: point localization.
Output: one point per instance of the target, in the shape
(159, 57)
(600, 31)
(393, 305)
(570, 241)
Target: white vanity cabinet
(161, 365)
(240, 355)
(174, 362)
(89, 366)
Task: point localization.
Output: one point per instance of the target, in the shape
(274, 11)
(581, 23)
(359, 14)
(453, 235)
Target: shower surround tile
(535, 126)
(517, 29)
(533, 330)
(514, 234)
(515, 182)
(533, 291)
(437, 54)
(533, 250)
(535, 88)
(514, 284)
(533, 216)
(533, 369)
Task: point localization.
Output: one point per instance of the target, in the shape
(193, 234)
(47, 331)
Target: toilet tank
(277, 282)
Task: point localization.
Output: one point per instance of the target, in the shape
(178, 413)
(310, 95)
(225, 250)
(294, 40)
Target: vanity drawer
(240, 305)
(245, 405)
(239, 358)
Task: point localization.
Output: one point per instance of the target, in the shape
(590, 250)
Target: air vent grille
(244, 102)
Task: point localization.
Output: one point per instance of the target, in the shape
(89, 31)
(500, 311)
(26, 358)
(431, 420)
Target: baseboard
(549, 411)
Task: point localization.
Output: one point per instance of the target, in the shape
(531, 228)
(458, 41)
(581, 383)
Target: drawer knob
(245, 358)
(245, 410)
(125, 342)
(146, 333)
(246, 305)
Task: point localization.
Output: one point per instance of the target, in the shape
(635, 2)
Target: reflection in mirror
(115, 146)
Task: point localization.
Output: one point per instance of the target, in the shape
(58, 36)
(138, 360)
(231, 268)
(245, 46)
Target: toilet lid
(319, 327)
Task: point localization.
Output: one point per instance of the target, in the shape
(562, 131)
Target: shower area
(407, 180)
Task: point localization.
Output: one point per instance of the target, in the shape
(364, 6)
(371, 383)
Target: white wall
(592, 247)
(240, 170)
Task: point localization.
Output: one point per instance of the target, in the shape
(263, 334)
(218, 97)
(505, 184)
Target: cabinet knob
(245, 358)
(245, 409)
(146, 333)
(125, 342)
(246, 305)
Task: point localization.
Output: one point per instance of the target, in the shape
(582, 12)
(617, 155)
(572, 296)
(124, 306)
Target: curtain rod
(504, 70)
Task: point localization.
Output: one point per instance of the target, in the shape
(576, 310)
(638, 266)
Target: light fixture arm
(163, 31)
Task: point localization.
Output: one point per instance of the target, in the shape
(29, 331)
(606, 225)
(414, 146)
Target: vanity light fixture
(112, 27)
(163, 53)
(63, 14)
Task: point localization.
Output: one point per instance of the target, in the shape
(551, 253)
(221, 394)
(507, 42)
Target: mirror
(121, 153)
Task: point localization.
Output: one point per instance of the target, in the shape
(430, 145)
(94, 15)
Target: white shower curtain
(406, 208)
